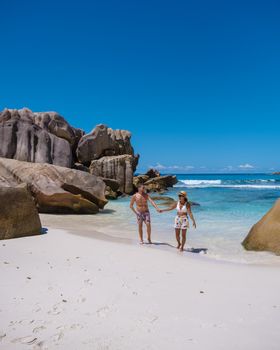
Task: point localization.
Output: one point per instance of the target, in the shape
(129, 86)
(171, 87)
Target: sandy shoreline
(90, 291)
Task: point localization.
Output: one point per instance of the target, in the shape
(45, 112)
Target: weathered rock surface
(139, 180)
(56, 189)
(103, 141)
(154, 182)
(110, 194)
(79, 166)
(113, 184)
(112, 188)
(160, 183)
(18, 214)
(56, 125)
(35, 137)
(119, 168)
(46, 137)
(151, 173)
(265, 234)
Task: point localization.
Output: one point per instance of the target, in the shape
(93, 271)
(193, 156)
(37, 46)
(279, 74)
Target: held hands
(159, 210)
(194, 224)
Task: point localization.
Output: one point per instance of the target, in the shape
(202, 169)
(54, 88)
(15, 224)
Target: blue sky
(197, 82)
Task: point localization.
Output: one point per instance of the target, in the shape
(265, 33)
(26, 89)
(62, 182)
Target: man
(142, 213)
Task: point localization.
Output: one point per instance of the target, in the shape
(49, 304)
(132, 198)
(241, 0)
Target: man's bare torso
(141, 201)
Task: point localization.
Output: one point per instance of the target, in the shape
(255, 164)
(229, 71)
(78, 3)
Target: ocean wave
(253, 186)
(201, 182)
(245, 186)
(226, 183)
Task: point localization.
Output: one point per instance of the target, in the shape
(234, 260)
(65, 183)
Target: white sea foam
(220, 184)
(201, 182)
(274, 187)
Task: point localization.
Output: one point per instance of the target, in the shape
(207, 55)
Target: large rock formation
(56, 125)
(109, 154)
(43, 137)
(151, 173)
(160, 183)
(154, 182)
(140, 180)
(18, 214)
(46, 137)
(265, 234)
(56, 189)
(103, 141)
(120, 168)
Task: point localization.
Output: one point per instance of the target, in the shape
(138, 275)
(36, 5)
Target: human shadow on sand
(44, 230)
(162, 243)
(196, 250)
(107, 211)
(189, 250)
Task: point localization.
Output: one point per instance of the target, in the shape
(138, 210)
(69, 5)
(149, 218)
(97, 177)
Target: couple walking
(142, 213)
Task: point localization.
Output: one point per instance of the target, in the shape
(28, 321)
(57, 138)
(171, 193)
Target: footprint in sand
(81, 300)
(72, 327)
(25, 322)
(56, 310)
(40, 346)
(124, 285)
(103, 311)
(88, 282)
(38, 329)
(29, 340)
(2, 335)
(57, 337)
(76, 326)
(154, 319)
(37, 308)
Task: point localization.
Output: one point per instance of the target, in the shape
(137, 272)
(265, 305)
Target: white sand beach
(63, 290)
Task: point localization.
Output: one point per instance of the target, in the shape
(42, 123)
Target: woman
(183, 208)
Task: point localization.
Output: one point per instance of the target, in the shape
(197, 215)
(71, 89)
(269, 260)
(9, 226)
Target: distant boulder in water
(155, 183)
(151, 173)
(265, 234)
(160, 183)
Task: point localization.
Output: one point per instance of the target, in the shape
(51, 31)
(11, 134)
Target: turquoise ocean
(229, 204)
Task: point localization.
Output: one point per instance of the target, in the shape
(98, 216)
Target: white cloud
(188, 167)
(228, 168)
(159, 166)
(246, 166)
